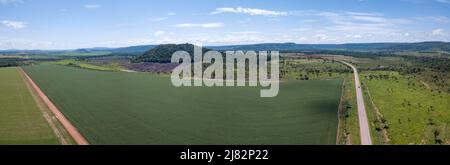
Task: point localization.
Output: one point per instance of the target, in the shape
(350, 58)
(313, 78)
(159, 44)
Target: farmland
(85, 65)
(408, 111)
(301, 68)
(21, 119)
(143, 108)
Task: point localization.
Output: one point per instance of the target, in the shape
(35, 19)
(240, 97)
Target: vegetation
(411, 113)
(140, 108)
(356, 47)
(163, 53)
(21, 120)
(85, 65)
(348, 114)
(301, 68)
(8, 62)
(80, 53)
(406, 90)
(432, 71)
(132, 50)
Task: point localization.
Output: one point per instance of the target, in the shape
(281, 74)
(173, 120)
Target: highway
(362, 115)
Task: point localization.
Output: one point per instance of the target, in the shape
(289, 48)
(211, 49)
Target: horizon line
(68, 49)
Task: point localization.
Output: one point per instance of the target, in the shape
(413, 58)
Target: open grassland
(21, 120)
(409, 112)
(312, 69)
(81, 64)
(140, 108)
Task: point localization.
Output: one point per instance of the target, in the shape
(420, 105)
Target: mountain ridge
(381, 46)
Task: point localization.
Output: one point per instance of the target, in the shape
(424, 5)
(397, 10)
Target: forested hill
(158, 54)
(420, 46)
(163, 53)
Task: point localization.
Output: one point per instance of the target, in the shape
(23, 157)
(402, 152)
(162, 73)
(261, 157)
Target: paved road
(362, 116)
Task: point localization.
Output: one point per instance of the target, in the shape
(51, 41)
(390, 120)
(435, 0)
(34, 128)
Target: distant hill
(163, 53)
(94, 49)
(420, 46)
(351, 47)
(133, 50)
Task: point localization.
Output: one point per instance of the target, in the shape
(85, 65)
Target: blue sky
(56, 24)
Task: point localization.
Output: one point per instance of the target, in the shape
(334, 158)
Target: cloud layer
(205, 25)
(14, 24)
(249, 11)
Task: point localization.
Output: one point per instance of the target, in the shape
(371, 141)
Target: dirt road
(362, 116)
(79, 139)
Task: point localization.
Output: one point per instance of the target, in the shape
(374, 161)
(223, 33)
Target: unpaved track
(362, 115)
(79, 139)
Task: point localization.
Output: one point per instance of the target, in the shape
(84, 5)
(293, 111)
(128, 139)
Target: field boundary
(76, 135)
(340, 111)
(385, 135)
(60, 132)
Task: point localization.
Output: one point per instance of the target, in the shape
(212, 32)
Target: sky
(70, 24)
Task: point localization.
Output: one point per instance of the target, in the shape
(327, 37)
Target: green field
(84, 65)
(75, 53)
(141, 108)
(21, 120)
(411, 113)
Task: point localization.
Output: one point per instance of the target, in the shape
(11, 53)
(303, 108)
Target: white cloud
(14, 24)
(342, 24)
(321, 36)
(369, 19)
(356, 36)
(440, 19)
(171, 14)
(19, 43)
(206, 25)
(363, 14)
(7, 2)
(437, 32)
(225, 39)
(249, 11)
(245, 32)
(309, 21)
(302, 29)
(159, 33)
(92, 6)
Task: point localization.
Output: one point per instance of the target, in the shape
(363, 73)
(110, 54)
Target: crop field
(142, 108)
(21, 120)
(312, 69)
(410, 113)
(80, 64)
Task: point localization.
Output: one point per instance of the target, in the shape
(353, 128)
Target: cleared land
(77, 137)
(139, 108)
(21, 120)
(405, 111)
